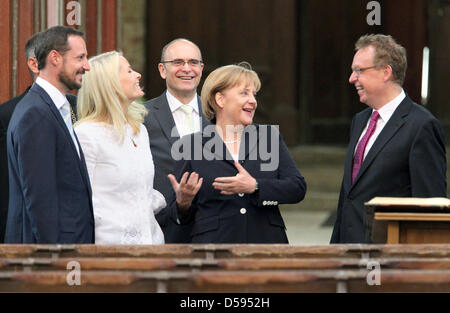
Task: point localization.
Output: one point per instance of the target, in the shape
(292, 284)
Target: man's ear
(54, 58)
(388, 75)
(162, 71)
(33, 65)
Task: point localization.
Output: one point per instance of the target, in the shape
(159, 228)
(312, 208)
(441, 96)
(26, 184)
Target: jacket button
(243, 211)
(264, 202)
(240, 195)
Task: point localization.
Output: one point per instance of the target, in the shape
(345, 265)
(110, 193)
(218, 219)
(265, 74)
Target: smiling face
(129, 81)
(181, 80)
(74, 64)
(236, 105)
(370, 83)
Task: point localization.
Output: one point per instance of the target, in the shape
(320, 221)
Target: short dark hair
(54, 38)
(31, 44)
(387, 52)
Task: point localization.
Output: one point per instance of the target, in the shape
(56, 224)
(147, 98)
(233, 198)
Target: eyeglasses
(358, 71)
(181, 62)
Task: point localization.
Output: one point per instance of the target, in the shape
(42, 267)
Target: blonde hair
(100, 97)
(223, 78)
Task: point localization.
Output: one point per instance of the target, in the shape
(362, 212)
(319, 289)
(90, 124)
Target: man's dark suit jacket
(50, 194)
(240, 218)
(6, 111)
(406, 160)
(160, 124)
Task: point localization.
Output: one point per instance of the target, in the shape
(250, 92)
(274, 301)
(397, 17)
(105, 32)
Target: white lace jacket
(121, 176)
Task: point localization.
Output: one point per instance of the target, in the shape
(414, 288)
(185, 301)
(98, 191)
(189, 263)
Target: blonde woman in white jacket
(117, 151)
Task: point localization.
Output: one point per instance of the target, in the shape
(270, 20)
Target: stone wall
(133, 33)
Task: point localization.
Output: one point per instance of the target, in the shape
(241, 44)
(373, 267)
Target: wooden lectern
(408, 220)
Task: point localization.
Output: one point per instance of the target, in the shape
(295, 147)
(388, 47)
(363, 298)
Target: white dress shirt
(179, 116)
(385, 112)
(58, 99)
(121, 176)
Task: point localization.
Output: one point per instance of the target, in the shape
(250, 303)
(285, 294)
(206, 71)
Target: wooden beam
(5, 50)
(91, 27)
(109, 25)
(26, 25)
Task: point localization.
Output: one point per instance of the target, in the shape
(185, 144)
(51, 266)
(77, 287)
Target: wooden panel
(26, 26)
(405, 21)
(109, 25)
(393, 232)
(5, 50)
(424, 232)
(263, 33)
(331, 29)
(394, 216)
(91, 27)
(439, 93)
(285, 94)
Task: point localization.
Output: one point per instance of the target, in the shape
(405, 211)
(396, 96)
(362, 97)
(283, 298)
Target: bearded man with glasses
(175, 113)
(397, 147)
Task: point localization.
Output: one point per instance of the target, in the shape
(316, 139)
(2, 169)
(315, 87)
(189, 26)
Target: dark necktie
(359, 154)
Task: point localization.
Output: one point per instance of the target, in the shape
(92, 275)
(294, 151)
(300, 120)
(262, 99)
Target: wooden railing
(225, 268)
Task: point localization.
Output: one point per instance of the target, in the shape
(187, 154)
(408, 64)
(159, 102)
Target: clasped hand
(243, 182)
(189, 185)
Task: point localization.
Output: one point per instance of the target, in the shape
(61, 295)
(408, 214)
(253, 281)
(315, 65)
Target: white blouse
(121, 176)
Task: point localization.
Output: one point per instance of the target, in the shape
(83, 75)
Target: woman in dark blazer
(231, 177)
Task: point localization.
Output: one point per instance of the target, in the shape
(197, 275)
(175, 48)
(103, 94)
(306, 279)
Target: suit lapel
(390, 129)
(250, 143)
(164, 117)
(57, 115)
(203, 121)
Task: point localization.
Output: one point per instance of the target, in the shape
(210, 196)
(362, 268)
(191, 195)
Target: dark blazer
(160, 123)
(50, 194)
(406, 160)
(6, 111)
(240, 218)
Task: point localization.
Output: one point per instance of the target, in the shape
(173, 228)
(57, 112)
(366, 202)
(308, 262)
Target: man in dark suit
(50, 194)
(177, 112)
(6, 111)
(397, 147)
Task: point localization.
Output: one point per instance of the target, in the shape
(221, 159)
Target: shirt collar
(175, 104)
(388, 109)
(57, 97)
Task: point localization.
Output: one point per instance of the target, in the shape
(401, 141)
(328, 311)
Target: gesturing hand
(243, 182)
(186, 189)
